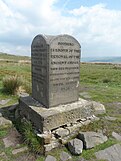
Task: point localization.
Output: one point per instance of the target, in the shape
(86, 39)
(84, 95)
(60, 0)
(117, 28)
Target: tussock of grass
(30, 138)
(11, 84)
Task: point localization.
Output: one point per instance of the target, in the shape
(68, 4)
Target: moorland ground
(98, 82)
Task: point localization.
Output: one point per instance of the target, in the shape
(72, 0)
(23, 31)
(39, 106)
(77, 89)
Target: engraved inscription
(64, 71)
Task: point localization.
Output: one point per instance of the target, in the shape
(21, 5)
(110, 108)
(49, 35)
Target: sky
(96, 24)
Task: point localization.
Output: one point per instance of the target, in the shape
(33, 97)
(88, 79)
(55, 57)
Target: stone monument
(55, 69)
(55, 81)
(54, 109)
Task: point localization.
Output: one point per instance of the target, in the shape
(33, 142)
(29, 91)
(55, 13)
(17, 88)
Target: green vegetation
(11, 69)
(102, 82)
(30, 138)
(3, 132)
(11, 84)
(13, 57)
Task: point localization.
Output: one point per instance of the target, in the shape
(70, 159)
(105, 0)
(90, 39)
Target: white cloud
(94, 26)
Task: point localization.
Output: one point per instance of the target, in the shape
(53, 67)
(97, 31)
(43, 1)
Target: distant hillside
(102, 59)
(13, 57)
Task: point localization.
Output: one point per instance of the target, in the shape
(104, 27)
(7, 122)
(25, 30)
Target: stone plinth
(49, 119)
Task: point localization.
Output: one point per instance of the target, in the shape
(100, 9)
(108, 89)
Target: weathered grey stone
(5, 123)
(65, 156)
(49, 119)
(116, 136)
(50, 158)
(91, 139)
(23, 94)
(85, 95)
(13, 139)
(66, 139)
(93, 118)
(75, 127)
(55, 69)
(83, 119)
(62, 132)
(3, 156)
(75, 146)
(52, 145)
(46, 137)
(112, 153)
(109, 118)
(20, 150)
(3, 102)
(85, 122)
(98, 108)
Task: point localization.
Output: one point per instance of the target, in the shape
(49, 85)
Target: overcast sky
(96, 24)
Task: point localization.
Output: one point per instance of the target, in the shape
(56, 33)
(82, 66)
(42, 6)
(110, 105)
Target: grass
(11, 84)
(101, 82)
(3, 133)
(13, 57)
(30, 138)
(11, 69)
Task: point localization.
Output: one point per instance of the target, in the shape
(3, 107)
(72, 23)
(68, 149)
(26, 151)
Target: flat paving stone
(13, 139)
(20, 150)
(91, 139)
(50, 158)
(116, 136)
(112, 153)
(65, 156)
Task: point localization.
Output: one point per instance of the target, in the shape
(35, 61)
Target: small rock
(46, 136)
(3, 102)
(5, 123)
(65, 156)
(112, 153)
(93, 118)
(3, 156)
(110, 118)
(13, 139)
(23, 94)
(75, 127)
(116, 136)
(69, 124)
(98, 108)
(75, 146)
(50, 158)
(85, 95)
(52, 145)
(62, 132)
(20, 150)
(66, 139)
(83, 119)
(91, 139)
(7, 142)
(85, 122)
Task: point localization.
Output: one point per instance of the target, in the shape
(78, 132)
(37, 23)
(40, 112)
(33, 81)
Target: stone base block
(48, 119)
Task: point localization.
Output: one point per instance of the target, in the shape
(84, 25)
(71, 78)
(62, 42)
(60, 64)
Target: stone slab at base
(48, 119)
